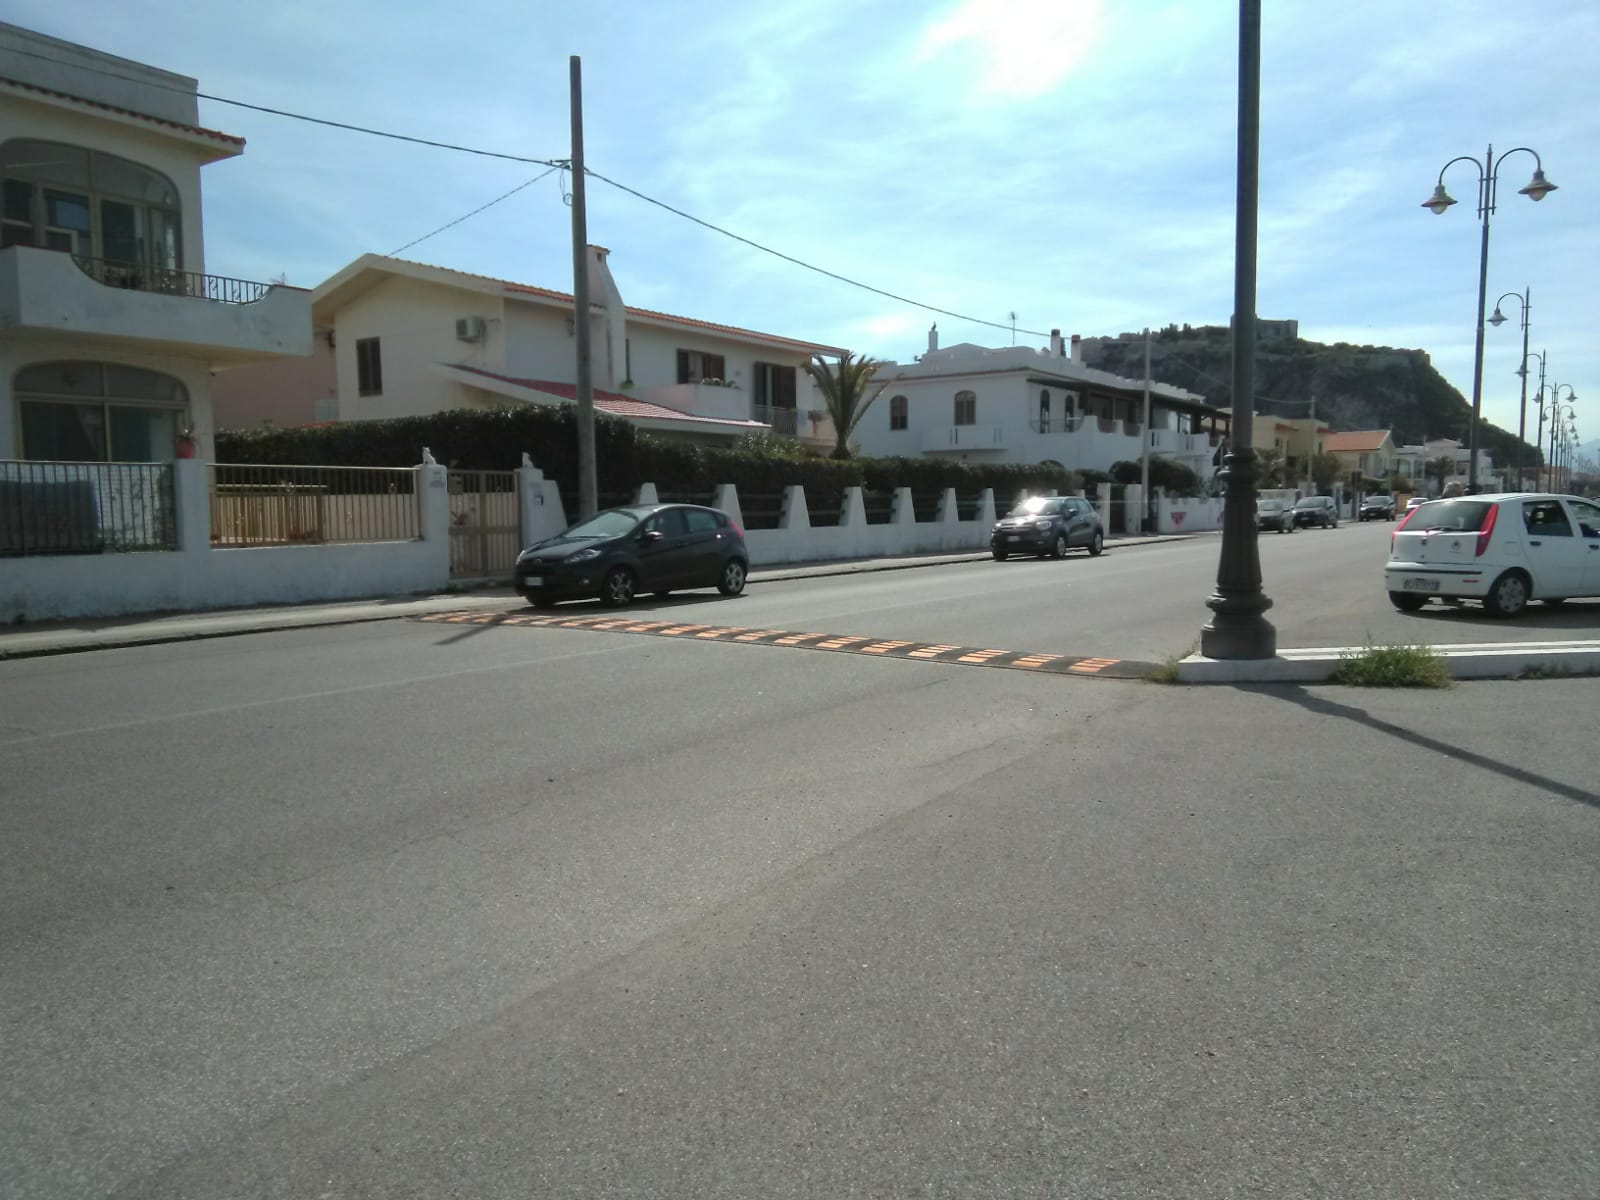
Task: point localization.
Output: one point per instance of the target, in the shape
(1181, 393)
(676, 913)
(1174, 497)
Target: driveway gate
(485, 524)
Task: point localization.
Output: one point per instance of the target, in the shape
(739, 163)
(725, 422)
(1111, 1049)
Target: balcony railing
(782, 420)
(1055, 424)
(86, 507)
(139, 278)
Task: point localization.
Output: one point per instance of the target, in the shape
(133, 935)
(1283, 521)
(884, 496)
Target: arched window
(98, 412)
(1044, 411)
(897, 412)
(96, 205)
(966, 408)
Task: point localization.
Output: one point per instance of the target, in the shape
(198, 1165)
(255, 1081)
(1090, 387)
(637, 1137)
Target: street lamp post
(1526, 301)
(1488, 179)
(1238, 627)
(1538, 440)
(1555, 421)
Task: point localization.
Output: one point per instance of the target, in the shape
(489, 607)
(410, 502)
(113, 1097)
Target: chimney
(933, 337)
(1057, 350)
(1077, 349)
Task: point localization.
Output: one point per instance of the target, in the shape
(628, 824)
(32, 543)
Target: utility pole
(1144, 459)
(588, 491)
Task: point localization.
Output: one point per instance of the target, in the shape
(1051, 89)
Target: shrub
(1391, 666)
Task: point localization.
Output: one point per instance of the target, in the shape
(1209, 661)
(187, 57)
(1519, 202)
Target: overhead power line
(479, 209)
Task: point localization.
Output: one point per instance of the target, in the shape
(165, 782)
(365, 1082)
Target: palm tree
(1269, 468)
(844, 394)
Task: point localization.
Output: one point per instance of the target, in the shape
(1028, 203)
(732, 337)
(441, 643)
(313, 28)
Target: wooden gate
(485, 524)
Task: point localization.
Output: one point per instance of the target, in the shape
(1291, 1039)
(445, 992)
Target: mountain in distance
(1355, 387)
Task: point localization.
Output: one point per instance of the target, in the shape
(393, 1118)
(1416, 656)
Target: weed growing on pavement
(1167, 672)
(1391, 666)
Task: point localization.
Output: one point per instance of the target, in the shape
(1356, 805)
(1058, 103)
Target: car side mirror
(650, 535)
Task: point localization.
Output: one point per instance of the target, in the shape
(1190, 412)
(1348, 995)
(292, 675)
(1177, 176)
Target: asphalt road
(420, 910)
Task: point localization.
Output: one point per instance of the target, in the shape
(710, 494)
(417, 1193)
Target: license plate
(1420, 585)
(1013, 537)
(533, 581)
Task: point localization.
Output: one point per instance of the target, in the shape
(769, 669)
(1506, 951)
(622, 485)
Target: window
(700, 521)
(898, 416)
(1546, 518)
(1044, 411)
(966, 408)
(1588, 517)
(369, 367)
(99, 412)
(695, 365)
(774, 385)
(63, 197)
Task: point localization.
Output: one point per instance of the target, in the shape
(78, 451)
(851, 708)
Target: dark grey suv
(620, 552)
(1316, 510)
(1047, 525)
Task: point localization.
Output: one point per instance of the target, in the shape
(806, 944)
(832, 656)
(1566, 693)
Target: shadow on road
(1329, 708)
(1573, 614)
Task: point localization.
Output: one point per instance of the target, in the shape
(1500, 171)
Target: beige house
(110, 325)
(1369, 451)
(403, 339)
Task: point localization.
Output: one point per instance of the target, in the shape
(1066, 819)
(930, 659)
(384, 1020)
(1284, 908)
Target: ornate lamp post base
(1238, 630)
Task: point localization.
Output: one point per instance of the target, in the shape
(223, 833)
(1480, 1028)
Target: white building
(410, 339)
(110, 326)
(1435, 449)
(1019, 404)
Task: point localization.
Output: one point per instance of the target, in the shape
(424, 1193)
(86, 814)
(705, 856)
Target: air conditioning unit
(470, 329)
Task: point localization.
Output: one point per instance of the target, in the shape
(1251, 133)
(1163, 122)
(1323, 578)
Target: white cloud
(1024, 48)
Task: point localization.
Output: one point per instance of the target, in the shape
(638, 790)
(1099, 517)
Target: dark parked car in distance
(621, 552)
(1047, 525)
(1377, 508)
(1316, 510)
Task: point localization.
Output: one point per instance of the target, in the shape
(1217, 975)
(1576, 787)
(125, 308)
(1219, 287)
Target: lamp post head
(1439, 201)
(1538, 188)
(1498, 319)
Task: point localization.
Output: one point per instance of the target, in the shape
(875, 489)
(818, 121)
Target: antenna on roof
(1013, 329)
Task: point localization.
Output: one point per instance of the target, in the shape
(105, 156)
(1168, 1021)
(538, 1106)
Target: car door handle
(1535, 543)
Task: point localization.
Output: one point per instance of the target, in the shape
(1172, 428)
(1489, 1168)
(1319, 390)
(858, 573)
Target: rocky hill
(1355, 387)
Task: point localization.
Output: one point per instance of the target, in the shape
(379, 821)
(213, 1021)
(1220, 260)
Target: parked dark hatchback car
(1316, 510)
(621, 552)
(1377, 508)
(1047, 525)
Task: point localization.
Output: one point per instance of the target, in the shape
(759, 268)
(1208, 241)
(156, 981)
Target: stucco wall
(282, 393)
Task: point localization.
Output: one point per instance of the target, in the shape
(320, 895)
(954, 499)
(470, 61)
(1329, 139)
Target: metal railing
(140, 278)
(312, 506)
(86, 508)
(1054, 424)
(782, 420)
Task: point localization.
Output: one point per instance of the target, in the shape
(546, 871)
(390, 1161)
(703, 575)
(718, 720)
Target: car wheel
(1508, 595)
(1407, 601)
(1096, 544)
(1058, 548)
(999, 555)
(617, 588)
(731, 582)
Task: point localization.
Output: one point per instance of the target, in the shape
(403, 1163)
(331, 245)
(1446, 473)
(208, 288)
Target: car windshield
(612, 523)
(1310, 502)
(1451, 516)
(1036, 506)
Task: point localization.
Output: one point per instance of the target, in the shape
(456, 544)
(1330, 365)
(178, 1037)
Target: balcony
(947, 438)
(221, 320)
(1055, 424)
(1170, 441)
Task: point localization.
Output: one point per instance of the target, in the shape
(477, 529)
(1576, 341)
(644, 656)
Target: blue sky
(1070, 161)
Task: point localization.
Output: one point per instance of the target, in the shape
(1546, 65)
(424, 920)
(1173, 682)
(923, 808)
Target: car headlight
(1042, 524)
(583, 555)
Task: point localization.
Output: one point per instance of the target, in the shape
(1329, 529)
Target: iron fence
(140, 278)
(254, 505)
(86, 508)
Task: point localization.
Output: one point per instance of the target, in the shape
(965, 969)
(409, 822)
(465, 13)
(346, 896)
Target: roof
(339, 285)
(234, 144)
(1358, 441)
(616, 403)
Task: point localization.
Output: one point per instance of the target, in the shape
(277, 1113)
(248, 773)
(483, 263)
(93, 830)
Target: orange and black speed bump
(968, 656)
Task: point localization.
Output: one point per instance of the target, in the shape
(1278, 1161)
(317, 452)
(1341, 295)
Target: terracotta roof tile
(226, 138)
(1356, 442)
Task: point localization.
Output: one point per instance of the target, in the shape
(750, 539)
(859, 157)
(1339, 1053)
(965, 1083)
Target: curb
(1481, 660)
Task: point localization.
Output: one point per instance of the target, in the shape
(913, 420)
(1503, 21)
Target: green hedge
(624, 456)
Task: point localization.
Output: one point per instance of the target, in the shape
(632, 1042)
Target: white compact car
(1503, 549)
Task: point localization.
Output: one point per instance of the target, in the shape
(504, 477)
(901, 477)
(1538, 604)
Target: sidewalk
(1312, 665)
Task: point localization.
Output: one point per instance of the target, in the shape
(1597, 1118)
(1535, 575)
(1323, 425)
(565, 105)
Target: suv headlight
(583, 555)
(1042, 524)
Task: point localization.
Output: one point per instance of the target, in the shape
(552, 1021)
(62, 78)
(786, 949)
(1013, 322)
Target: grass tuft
(1167, 671)
(1393, 666)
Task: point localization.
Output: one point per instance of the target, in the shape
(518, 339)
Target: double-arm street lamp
(1498, 319)
(1558, 411)
(1488, 180)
